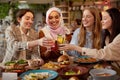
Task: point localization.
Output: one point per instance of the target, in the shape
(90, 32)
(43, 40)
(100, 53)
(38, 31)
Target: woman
(21, 39)
(54, 27)
(111, 50)
(89, 33)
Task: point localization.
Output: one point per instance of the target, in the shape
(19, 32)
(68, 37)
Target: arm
(13, 43)
(14, 40)
(74, 39)
(109, 52)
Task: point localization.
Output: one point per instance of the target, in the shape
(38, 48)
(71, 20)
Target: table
(89, 66)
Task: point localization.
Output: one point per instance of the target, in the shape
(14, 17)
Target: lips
(85, 23)
(54, 23)
(28, 25)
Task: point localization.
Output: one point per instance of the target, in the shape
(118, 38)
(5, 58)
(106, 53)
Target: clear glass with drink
(61, 40)
(48, 43)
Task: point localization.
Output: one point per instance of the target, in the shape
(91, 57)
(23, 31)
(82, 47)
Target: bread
(63, 60)
(73, 78)
(20, 64)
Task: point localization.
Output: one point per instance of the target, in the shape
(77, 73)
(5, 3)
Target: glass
(61, 40)
(49, 44)
(54, 47)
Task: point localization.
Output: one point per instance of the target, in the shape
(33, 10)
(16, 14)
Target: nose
(53, 19)
(31, 21)
(84, 18)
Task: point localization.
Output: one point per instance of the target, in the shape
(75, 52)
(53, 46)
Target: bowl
(103, 74)
(70, 71)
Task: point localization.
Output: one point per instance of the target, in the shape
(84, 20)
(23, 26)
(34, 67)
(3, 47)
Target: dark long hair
(115, 16)
(19, 14)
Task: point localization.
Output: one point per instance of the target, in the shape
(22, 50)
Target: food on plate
(87, 59)
(51, 65)
(73, 78)
(98, 66)
(103, 74)
(63, 60)
(20, 64)
(71, 72)
(16, 66)
(37, 76)
(10, 65)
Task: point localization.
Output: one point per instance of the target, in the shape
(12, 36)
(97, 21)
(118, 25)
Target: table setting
(65, 68)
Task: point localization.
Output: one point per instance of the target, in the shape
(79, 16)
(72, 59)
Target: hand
(48, 42)
(36, 62)
(67, 47)
(40, 61)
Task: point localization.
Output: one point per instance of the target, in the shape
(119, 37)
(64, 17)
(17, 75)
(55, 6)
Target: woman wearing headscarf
(54, 27)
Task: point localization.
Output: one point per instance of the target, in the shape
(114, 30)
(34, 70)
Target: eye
(50, 17)
(27, 18)
(104, 18)
(61, 61)
(56, 17)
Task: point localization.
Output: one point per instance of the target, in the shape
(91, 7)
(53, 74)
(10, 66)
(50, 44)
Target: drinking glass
(49, 43)
(61, 40)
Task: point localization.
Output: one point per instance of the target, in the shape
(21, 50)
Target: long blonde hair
(96, 30)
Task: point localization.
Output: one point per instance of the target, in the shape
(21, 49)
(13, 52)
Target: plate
(91, 78)
(53, 74)
(70, 71)
(86, 60)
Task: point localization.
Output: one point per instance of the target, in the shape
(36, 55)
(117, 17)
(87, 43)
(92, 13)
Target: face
(54, 19)
(26, 21)
(106, 21)
(87, 19)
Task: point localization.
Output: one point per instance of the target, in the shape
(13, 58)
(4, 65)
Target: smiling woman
(54, 27)
(21, 38)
